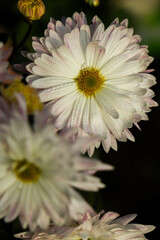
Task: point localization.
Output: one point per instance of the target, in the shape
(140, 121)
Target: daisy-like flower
(6, 75)
(93, 79)
(39, 171)
(107, 227)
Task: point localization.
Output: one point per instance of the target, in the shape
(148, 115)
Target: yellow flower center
(26, 171)
(89, 81)
(32, 99)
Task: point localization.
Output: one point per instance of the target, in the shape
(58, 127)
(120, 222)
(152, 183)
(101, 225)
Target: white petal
(127, 68)
(29, 67)
(7, 184)
(124, 23)
(118, 60)
(94, 55)
(109, 217)
(84, 37)
(78, 205)
(131, 80)
(62, 119)
(98, 32)
(115, 44)
(56, 92)
(72, 42)
(106, 104)
(113, 125)
(109, 142)
(53, 81)
(68, 57)
(96, 119)
(106, 35)
(31, 78)
(80, 19)
(94, 24)
(125, 219)
(113, 101)
(60, 29)
(6, 199)
(87, 183)
(131, 98)
(77, 111)
(65, 102)
(53, 41)
(48, 66)
(38, 47)
(86, 117)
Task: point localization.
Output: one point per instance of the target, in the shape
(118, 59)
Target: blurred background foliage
(134, 185)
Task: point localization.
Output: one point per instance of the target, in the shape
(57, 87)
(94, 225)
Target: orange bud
(32, 10)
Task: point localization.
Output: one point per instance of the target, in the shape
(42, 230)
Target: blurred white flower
(6, 74)
(39, 171)
(12, 110)
(93, 79)
(108, 227)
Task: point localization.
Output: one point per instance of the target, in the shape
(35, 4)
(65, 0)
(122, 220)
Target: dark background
(134, 185)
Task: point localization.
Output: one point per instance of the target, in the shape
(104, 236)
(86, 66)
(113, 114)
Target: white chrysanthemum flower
(108, 227)
(93, 79)
(39, 171)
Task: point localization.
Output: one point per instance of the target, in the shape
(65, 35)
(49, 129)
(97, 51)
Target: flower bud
(94, 3)
(32, 10)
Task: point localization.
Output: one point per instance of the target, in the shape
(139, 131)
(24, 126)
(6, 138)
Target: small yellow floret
(32, 99)
(32, 10)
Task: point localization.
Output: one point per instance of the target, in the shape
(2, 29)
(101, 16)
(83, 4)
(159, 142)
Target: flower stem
(22, 41)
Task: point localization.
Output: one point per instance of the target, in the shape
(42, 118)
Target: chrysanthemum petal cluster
(107, 227)
(40, 170)
(92, 78)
